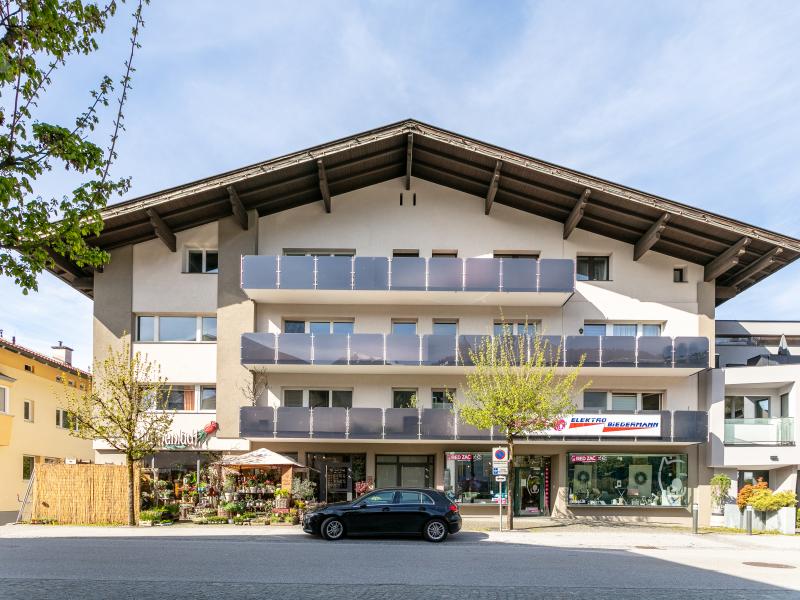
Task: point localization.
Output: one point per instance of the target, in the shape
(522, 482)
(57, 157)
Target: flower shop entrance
(335, 474)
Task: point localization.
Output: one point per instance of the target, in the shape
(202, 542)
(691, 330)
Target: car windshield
(381, 497)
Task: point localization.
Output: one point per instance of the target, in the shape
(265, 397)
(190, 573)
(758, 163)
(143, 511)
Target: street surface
(243, 562)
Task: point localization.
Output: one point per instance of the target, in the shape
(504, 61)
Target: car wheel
(435, 531)
(332, 529)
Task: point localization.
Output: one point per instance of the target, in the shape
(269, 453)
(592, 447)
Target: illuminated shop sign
(606, 426)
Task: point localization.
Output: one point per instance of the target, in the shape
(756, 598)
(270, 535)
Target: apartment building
(322, 305)
(753, 416)
(34, 427)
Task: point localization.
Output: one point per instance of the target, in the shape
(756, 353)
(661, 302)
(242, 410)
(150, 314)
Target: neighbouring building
(353, 277)
(753, 418)
(34, 427)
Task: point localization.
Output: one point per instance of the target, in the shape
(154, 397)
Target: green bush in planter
(233, 508)
(216, 520)
(766, 500)
(153, 515)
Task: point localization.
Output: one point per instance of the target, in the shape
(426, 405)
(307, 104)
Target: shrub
(303, 489)
(233, 508)
(215, 520)
(744, 494)
(720, 486)
(767, 500)
(154, 515)
(282, 493)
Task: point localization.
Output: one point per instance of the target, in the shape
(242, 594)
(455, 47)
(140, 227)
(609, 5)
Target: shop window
(403, 471)
(592, 268)
(28, 463)
(646, 480)
(468, 478)
(734, 407)
(27, 410)
(442, 398)
(208, 397)
(405, 398)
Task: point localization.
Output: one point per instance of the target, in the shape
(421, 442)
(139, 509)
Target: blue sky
(698, 102)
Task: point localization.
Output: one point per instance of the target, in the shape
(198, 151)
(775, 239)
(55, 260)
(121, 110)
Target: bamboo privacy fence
(83, 494)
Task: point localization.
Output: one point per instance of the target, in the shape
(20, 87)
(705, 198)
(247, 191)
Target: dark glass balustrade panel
(366, 423)
(293, 422)
(257, 421)
(329, 422)
(401, 423)
(469, 432)
(294, 349)
(556, 275)
(619, 351)
(515, 347)
(519, 274)
(691, 352)
(371, 273)
(587, 346)
(469, 346)
(482, 275)
(402, 349)
(297, 273)
(553, 348)
(654, 351)
(334, 273)
(408, 273)
(439, 350)
(690, 426)
(366, 349)
(666, 425)
(330, 349)
(258, 348)
(438, 424)
(259, 272)
(445, 274)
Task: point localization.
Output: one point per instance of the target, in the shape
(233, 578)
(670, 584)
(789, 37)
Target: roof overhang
(735, 255)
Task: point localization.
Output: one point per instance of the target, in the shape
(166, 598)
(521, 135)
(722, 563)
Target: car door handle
(385, 509)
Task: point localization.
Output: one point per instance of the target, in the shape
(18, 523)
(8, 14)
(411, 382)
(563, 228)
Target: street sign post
(500, 470)
(500, 479)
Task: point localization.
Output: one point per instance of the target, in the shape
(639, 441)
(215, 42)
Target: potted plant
(283, 497)
(720, 486)
(229, 487)
(147, 518)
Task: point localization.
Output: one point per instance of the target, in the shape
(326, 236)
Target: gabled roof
(12, 346)
(735, 254)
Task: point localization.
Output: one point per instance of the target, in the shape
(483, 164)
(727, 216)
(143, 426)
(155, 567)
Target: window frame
(401, 321)
(5, 406)
(404, 389)
(198, 399)
(204, 252)
(332, 322)
(200, 320)
(306, 395)
(444, 321)
(640, 325)
(27, 406)
(610, 393)
(592, 258)
(444, 405)
(32, 466)
(680, 275)
(515, 254)
(63, 417)
(516, 326)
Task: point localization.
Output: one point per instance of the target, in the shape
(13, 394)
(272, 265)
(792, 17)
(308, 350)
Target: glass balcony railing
(777, 431)
(446, 350)
(429, 424)
(368, 273)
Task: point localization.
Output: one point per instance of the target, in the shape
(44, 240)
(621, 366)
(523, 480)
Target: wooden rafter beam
(727, 260)
(755, 268)
(83, 283)
(409, 153)
(162, 230)
(323, 185)
(239, 211)
(725, 292)
(649, 239)
(576, 214)
(493, 185)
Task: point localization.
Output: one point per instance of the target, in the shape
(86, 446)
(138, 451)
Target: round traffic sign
(500, 454)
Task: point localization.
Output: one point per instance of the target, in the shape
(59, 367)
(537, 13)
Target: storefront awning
(259, 458)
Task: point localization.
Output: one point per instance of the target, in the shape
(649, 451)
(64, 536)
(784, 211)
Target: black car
(407, 511)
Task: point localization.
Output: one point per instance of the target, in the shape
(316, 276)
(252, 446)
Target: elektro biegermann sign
(606, 426)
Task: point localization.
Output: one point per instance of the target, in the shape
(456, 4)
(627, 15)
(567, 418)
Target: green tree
(121, 409)
(517, 386)
(37, 39)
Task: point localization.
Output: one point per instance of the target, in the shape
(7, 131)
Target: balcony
(266, 422)
(759, 432)
(393, 353)
(408, 280)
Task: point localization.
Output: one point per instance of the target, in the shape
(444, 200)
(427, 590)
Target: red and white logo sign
(618, 425)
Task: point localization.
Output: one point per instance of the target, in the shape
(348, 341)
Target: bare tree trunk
(131, 487)
(510, 483)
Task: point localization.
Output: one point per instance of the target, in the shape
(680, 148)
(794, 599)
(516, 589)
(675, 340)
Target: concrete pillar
(236, 314)
(558, 484)
(113, 322)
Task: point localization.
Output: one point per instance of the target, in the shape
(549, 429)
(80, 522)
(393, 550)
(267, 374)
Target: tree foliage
(37, 38)
(517, 386)
(119, 406)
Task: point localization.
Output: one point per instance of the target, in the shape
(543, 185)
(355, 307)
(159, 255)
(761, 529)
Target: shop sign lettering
(458, 456)
(605, 426)
(180, 439)
(586, 458)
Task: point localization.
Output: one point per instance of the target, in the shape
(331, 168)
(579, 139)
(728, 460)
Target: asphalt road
(469, 565)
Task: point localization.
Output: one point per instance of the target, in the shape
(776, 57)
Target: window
(761, 407)
(646, 480)
(176, 399)
(413, 498)
(594, 400)
(319, 327)
(294, 326)
(622, 401)
(734, 407)
(208, 397)
(3, 400)
(625, 402)
(468, 478)
(651, 401)
(146, 329)
(27, 466)
(784, 405)
(404, 398)
(202, 261)
(679, 275)
(177, 329)
(594, 329)
(515, 254)
(209, 333)
(29, 368)
(64, 420)
(515, 328)
(402, 327)
(650, 329)
(623, 329)
(318, 398)
(444, 254)
(319, 252)
(592, 268)
(405, 253)
(445, 328)
(376, 498)
(442, 398)
(27, 410)
(411, 471)
(751, 477)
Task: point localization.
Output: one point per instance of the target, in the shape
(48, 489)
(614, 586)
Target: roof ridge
(43, 357)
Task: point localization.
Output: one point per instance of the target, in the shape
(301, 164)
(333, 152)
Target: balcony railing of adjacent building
(764, 432)
(426, 424)
(376, 273)
(445, 350)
